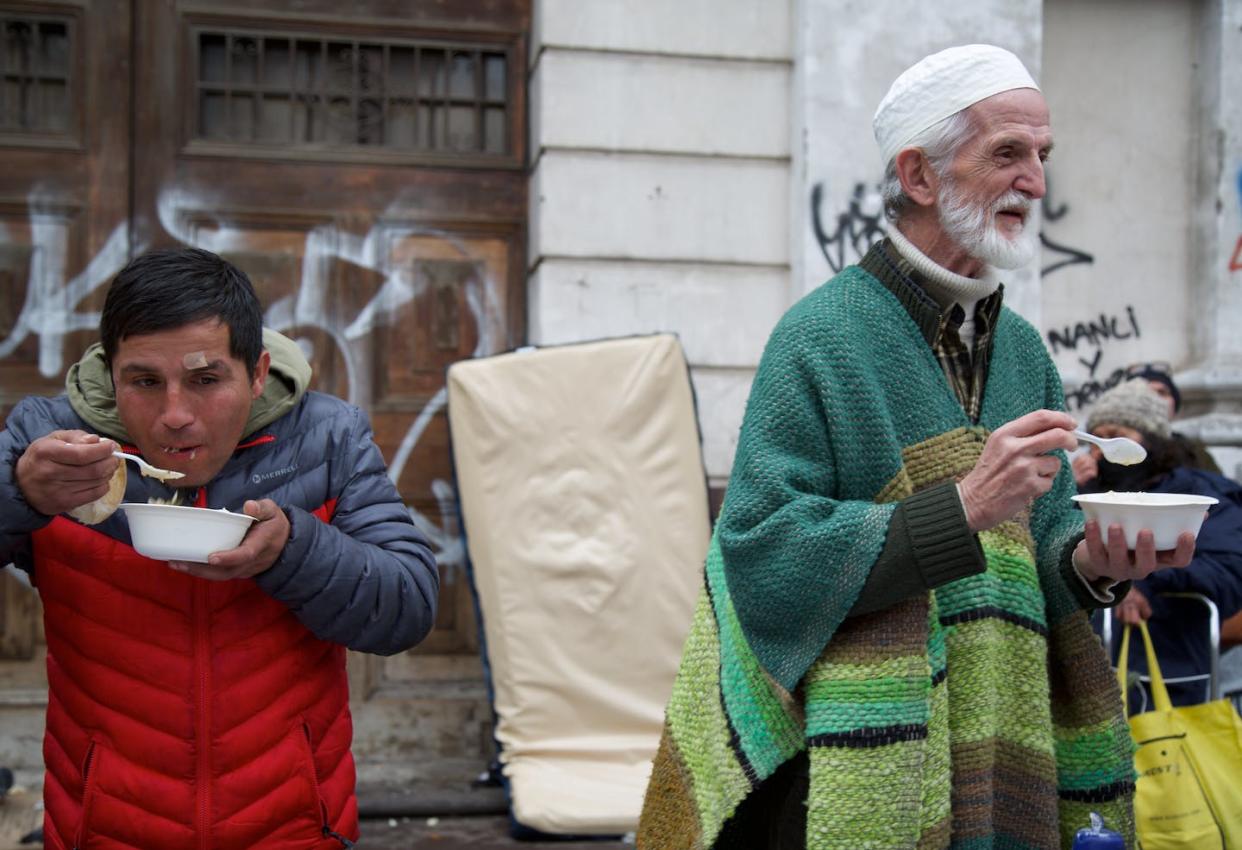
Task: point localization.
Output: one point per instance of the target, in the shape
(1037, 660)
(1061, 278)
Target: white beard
(973, 227)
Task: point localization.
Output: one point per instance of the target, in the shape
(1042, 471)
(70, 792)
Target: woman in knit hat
(1178, 627)
(1159, 378)
(1130, 409)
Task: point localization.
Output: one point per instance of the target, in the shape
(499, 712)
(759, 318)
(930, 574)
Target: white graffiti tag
(315, 307)
(51, 310)
(52, 307)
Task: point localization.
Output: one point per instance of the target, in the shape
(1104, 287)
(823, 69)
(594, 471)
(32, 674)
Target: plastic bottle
(1098, 837)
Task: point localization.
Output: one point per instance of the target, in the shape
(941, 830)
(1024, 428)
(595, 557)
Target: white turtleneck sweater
(948, 288)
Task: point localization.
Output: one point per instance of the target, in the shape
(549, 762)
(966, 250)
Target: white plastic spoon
(1119, 450)
(148, 470)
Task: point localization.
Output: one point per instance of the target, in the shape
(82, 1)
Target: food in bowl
(1166, 514)
(179, 533)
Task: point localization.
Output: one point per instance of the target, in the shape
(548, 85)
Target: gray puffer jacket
(366, 579)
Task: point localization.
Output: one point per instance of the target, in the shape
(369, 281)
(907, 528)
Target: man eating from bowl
(892, 648)
(205, 705)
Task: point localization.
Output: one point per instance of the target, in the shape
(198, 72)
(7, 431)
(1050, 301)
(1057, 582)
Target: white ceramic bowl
(1166, 514)
(177, 533)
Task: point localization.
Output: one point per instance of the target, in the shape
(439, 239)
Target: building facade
(412, 183)
(731, 167)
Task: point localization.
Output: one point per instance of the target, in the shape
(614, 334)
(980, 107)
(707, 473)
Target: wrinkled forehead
(1022, 112)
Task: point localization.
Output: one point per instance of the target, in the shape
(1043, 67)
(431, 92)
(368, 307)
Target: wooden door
(367, 170)
(64, 230)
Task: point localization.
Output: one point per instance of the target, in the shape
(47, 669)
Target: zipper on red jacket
(87, 776)
(202, 665)
(326, 829)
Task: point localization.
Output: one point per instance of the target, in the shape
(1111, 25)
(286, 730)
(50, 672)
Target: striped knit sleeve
(795, 554)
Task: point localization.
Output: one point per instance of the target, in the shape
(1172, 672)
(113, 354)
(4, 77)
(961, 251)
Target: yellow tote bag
(1189, 764)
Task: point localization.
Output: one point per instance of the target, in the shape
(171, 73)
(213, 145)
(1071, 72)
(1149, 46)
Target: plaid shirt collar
(966, 370)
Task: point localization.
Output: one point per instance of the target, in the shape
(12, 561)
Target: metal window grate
(35, 83)
(307, 92)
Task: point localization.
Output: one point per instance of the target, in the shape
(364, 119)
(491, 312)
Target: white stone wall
(698, 166)
(1146, 99)
(1213, 382)
(1119, 76)
(660, 184)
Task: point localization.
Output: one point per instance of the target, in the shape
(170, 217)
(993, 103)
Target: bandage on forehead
(195, 360)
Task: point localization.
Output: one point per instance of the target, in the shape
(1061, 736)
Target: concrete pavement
(20, 813)
(489, 832)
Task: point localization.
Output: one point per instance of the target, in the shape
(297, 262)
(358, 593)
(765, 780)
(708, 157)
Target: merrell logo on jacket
(260, 477)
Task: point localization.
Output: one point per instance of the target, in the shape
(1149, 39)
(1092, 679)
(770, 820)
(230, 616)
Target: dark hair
(171, 288)
(1161, 373)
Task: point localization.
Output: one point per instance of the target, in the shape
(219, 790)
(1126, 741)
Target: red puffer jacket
(190, 714)
(138, 652)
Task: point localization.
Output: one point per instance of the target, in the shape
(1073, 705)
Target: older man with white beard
(892, 649)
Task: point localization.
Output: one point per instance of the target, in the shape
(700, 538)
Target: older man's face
(987, 192)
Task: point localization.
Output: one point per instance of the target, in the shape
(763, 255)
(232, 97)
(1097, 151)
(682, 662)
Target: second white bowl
(1166, 514)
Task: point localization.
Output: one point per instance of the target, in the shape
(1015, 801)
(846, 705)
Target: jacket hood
(90, 390)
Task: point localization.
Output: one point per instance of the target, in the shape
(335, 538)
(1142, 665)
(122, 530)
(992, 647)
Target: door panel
(64, 230)
(366, 170)
(64, 194)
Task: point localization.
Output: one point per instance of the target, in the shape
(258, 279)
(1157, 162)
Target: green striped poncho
(979, 715)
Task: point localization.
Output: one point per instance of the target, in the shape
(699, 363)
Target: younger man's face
(184, 398)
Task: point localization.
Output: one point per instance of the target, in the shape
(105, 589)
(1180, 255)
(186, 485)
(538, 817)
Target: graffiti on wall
(862, 223)
(845, 237)
(1061, 256)
(857, 227)
(1088, 341)
(52, 309)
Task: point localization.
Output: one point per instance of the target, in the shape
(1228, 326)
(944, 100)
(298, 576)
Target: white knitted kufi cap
(940, 85)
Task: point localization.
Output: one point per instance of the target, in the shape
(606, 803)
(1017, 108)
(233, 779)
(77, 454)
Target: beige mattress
(580, 474)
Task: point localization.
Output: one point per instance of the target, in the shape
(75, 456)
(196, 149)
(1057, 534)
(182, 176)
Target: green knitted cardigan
(979, 715)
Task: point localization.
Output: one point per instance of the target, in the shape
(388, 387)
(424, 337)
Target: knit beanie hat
(1151, 372)
(1133, 404)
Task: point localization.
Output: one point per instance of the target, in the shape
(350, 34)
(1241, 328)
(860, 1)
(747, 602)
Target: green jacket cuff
(942, 545)
(928, 544)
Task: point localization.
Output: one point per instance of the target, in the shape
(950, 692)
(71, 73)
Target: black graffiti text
(1091, 389)
(856, 230)
(1087, 340)
(1063, 255)
(1095, 332)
